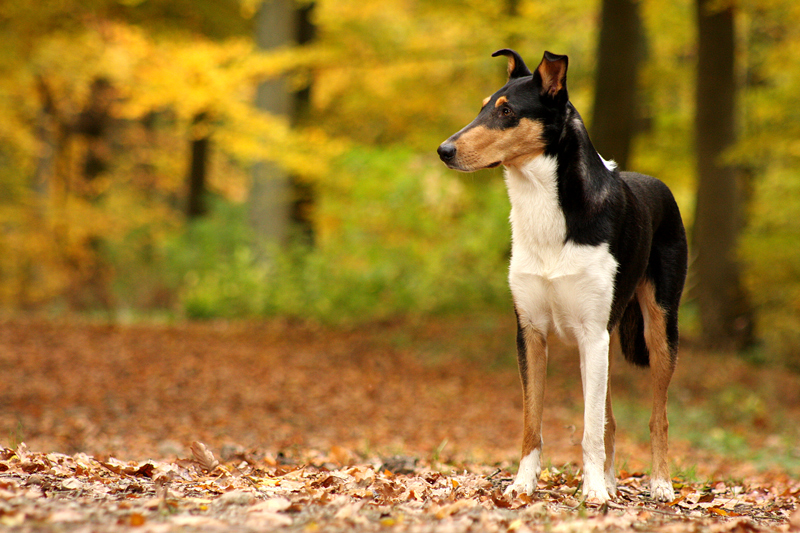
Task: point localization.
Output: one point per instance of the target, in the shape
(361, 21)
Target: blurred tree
(303, 190)
(100, 119)
(725, 312)
(770, 150)
(271, 189)
(93, 123)
(95, 110)
(620, 51)
(198, 165)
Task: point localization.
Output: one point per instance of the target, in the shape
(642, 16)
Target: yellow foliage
(397, 72)
(161, 85)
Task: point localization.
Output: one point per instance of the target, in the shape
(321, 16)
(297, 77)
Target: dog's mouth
(455, 166)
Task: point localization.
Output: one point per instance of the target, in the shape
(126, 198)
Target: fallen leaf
(268, 520)
(515, 525)
(67, 516)
(72, 484)
(203, 457)
(794, 520)
(348, 511)
(499, 499)
(236, 497)
(453, 508)
(341, 455)
(197, 521)
(271, 505)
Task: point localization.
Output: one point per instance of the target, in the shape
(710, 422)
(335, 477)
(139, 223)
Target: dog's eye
(506, 112)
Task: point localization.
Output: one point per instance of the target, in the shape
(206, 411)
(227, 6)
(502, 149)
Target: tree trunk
(271, 191)
(619, 53)
(725, 313)
(303, 192)
(196, 198)
(47, 126)
(93, 123)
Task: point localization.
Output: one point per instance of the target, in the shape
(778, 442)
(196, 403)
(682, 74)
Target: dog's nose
(447, 151)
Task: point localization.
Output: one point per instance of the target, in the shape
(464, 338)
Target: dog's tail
(631, 335)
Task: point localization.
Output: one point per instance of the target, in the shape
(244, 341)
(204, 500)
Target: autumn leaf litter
(298, 426)
(252, 491)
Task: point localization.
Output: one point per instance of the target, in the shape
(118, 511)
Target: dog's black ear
(551, 77)
(516, 66)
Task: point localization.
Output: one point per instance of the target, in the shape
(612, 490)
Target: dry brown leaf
(341, 456)
(267, 520)
(271, 505)
(453, 508)
(794, 520)
(500, 500)
(203, 457)
(237, 497)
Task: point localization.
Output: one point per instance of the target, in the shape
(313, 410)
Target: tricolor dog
(594, 251)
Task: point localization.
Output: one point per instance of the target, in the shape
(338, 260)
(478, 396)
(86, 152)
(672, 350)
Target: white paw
(517, 488)
(596, 496)
(661, 490)
(530, 468)
(594, 488)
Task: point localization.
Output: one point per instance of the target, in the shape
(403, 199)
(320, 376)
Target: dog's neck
(583, 179)
(575, 152)
(537, 219)
(558, 195)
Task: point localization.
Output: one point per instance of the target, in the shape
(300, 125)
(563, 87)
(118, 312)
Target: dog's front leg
(594, 374)
(532, 358)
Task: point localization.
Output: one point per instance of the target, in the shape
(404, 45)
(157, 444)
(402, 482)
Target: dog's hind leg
(662, 365)
(532, 358)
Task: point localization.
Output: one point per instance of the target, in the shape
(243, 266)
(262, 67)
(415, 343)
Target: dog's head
(513, 124)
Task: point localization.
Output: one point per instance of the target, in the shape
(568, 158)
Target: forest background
(233, 158)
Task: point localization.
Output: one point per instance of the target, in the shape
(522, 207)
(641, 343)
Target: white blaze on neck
(610, 165)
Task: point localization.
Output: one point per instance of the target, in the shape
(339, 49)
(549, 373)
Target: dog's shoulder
(651, 195)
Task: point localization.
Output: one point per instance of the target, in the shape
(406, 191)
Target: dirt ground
(408, 426)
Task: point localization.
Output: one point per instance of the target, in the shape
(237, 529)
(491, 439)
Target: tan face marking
(481, 147)
(485, 101)
(500, 101)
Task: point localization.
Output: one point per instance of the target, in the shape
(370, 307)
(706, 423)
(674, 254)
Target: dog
(595, 252)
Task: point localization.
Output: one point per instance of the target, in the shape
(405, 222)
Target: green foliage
(664, 149)
(771, 251)
(770, 151)
(214, 266)
(377, 255)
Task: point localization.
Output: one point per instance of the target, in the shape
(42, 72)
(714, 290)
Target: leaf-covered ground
(405, 427)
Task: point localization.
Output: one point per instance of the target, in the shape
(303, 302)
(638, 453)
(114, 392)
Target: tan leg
(533, 371)
(661, 368)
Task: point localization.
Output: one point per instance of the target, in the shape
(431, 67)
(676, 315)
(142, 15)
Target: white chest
(553, 282)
